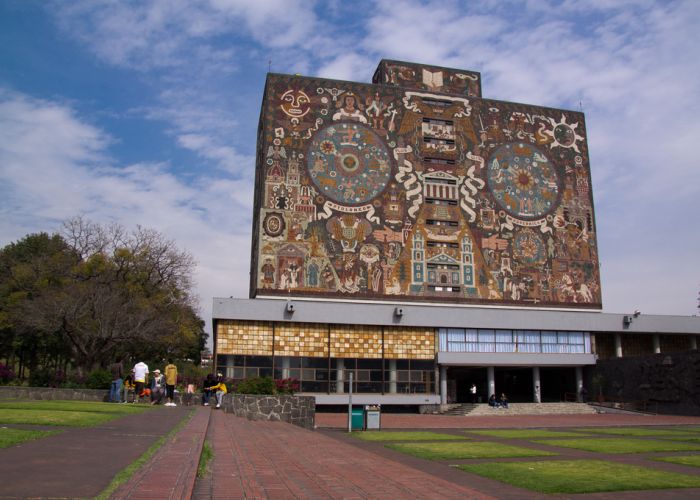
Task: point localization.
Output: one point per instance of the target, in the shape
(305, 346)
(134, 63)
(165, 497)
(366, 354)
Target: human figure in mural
(268, 270)
(328, 277)
(374, 110)
(293, 271)
(349, 109)
(313, 275)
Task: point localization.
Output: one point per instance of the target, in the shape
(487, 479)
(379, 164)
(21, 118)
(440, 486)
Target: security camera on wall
(290, 307)
(398, 311)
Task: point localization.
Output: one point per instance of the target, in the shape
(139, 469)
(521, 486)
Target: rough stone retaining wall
(669, 382)
(34, 393)
(297, 410)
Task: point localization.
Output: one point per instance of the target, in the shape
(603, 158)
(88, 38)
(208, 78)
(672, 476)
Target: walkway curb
(172, 471)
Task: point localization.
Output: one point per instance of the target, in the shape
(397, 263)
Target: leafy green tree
(100, 293)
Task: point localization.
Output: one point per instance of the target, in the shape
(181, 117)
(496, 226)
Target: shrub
(6, 374)
(258, 385)
(41, 377)
(287, 386)
(99, 379)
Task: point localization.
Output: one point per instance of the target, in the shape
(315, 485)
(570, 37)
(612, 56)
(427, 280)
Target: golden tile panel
(355, 341)
(301, 339)
(409, 343)
(244, 337)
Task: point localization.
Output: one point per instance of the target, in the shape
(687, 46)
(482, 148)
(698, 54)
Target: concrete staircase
(484, 410)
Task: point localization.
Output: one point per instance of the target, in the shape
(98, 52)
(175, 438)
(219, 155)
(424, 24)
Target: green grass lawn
(693, 460)
(455, 451)
(580, 476)
(621, 445)
(636, 431)
(11, 437)
(64, 413)
(525, 433)
(406, 436)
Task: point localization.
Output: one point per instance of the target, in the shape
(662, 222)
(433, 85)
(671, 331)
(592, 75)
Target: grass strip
(125, 474)
(464, 450)
(580, 476)
(63, 418)
(204, 459)
(636, 431)
(525, 433)
(406, 436)
(621, 445)
(12, 437)
(84, 406)
(692, 460)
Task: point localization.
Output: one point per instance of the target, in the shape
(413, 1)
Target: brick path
(172, 471)
(81, 462)
(278, 460)
(414, 421)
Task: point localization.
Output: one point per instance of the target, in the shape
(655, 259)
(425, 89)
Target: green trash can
(358, 419)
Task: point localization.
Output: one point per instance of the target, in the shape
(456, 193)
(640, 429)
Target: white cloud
(54, 166)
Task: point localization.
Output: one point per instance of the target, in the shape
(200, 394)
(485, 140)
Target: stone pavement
(172, 471)
(415, 421)
(255, 459)
(81, 462)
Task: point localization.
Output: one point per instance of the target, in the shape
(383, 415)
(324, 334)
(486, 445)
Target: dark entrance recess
(463, 378)
(516, 383)
(557, 383)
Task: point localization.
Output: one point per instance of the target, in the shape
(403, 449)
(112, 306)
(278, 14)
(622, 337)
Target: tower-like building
(427, 237)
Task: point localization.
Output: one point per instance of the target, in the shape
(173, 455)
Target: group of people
(501, 402)
(137, 383)
(140, 386)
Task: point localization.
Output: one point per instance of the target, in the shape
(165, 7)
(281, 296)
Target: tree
(113, 294)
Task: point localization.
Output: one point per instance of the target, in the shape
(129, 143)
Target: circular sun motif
(273, 224)
(528, 248)
(349, 163)
(523, 181)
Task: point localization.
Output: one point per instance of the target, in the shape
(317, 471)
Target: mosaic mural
(418, 192)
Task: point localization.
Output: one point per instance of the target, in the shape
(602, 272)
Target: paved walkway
(172, 471)
(256, 459)
(274, 459)
(81, 462)
(414, 421)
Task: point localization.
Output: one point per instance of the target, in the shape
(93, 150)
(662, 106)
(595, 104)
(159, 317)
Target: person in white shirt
(140, 374)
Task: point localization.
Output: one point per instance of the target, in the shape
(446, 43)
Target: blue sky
(145, 112)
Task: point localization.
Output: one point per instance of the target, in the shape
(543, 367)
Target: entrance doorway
(558, 384)
(516, 383)
(461, 378)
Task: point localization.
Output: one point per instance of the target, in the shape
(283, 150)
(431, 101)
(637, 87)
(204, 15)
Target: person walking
(140, 374)
(206, 392)
(472, 389)
(170, 382)
(115, 388)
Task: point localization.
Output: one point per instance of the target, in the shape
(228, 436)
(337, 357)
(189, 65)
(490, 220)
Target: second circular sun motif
(349, 163)
(523, 180)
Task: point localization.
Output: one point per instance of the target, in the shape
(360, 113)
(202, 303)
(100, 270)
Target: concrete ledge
(42, 393)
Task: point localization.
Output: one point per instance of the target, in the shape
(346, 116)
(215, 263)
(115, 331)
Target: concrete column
(436, 380)
(618, 345)
(694, 342)
(392, 376)
(536, 384)
(579, 382)
(657, 343)
(285, 367)
(340, 377)
(443, 385)
(492, 382)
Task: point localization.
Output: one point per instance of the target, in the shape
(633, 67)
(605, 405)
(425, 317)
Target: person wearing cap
(219, 389)
(157, 387)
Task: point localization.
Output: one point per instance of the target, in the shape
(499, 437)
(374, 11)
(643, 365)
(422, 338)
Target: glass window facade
(524, 341)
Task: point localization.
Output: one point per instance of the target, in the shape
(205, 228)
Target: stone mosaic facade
(323, 340)
(296, 410)
(416, 188)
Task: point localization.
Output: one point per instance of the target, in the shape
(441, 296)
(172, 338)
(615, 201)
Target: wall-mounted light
(626, 320)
